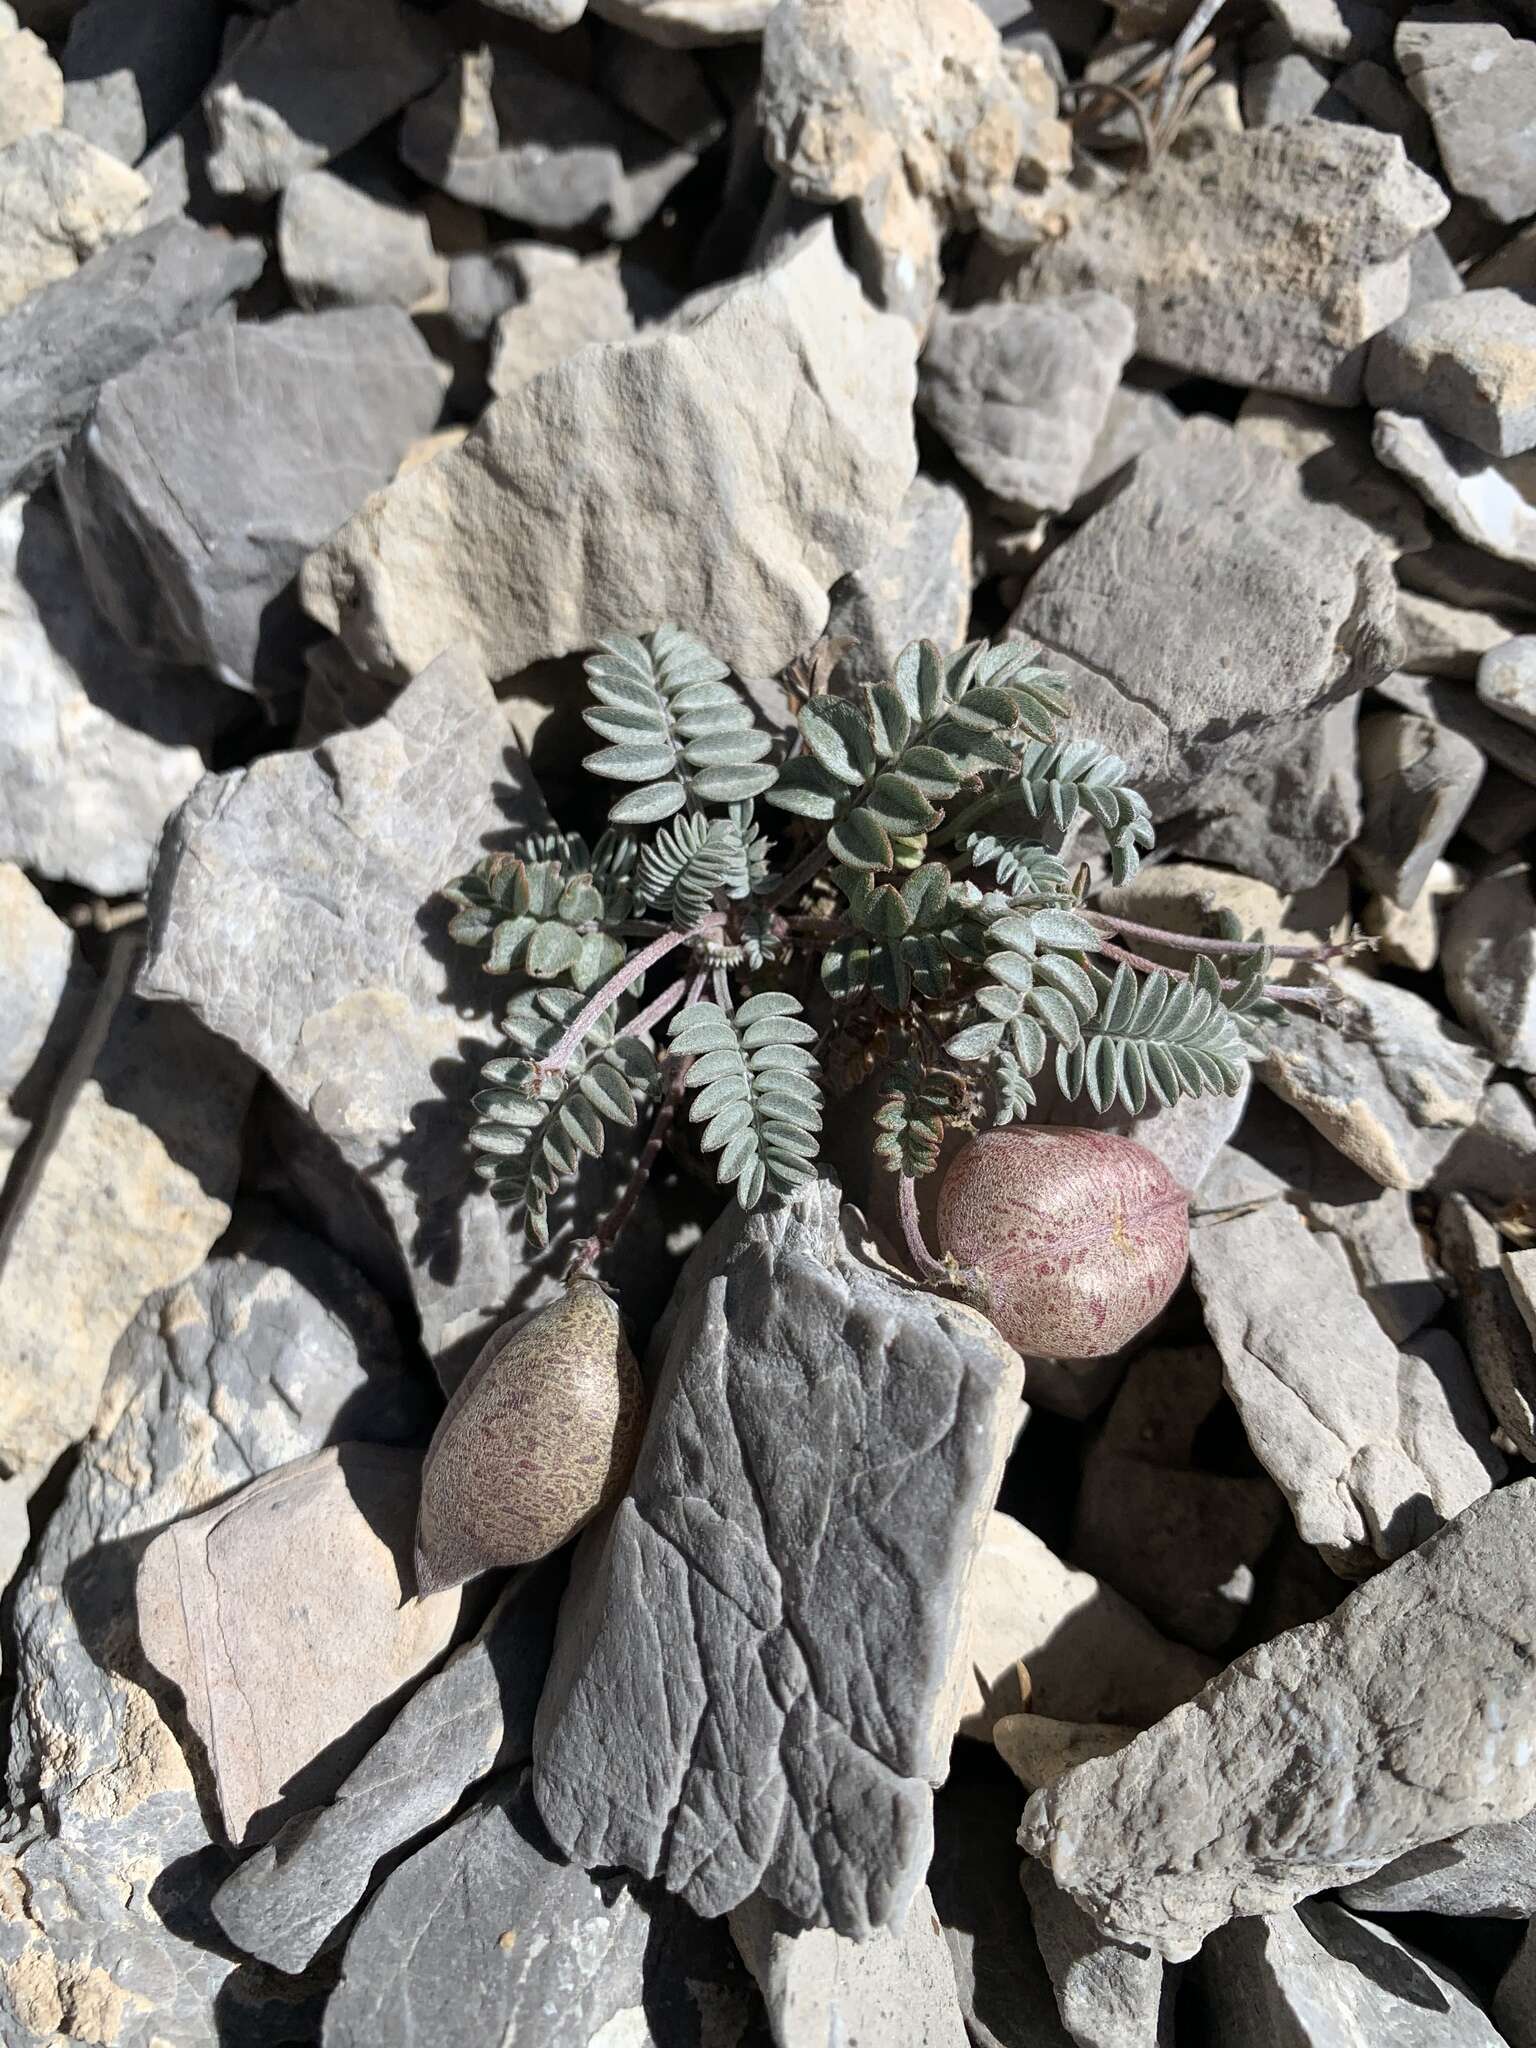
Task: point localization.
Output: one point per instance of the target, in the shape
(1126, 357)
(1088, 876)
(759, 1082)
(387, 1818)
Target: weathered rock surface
(1465, 364)
(1499, 738)
(1489, 954)
(1391, 1086)
(1269, 258)
(802, 1748)
(1291, 813)
(1039, 1750)
(1491, 503)
(202, 482)
(132, 71)
(1135, 421)
(96, 748)
(918, 586)
(1180, 1541)
(1506, 680)
(31, 87)
(354, 1018)
(341, 245)
(287, 1618)
(308, 82)
(1500, 1344)
(58, 349)
(504, 132)
(1441, 639)
(473, 1717)
(1182, 682)
(37, 968)
(488, 1933)
(653, 459)
(1088, 1653)
(1281, 1789)
(1418, 781)
(1021, 393)
(64, 200)
(565, 311)
(1478, 84)
(1333, 452)
(1488, 1870)
(1319, 1977)
(821, 1986)
(1108, 1995)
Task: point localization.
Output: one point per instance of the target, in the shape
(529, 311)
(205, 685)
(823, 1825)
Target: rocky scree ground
(361, 364)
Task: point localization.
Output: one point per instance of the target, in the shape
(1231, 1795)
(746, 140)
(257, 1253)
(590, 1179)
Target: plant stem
(653, 1013)
(1181, 943)
(632, 970)
(912, 1231)
(1277, 991)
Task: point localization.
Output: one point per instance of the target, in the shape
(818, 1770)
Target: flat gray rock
(487, 1933)
(1478, 84)
(1280, 82)
(1183, 661)
(1506, 680)
(340, 245)
(1373, 1447)
(1488, 951)
(1108, 1995)
(821, 1986)
(1502, 1348)
(1320, 1756)
(1135, 421)
(1447, 640)
(1269, 258)
(64, 200)
(504, 132)
(1338, 466)
(1021, 393)
(209, 471)
(285, 1903)
(1488, 1870)
(132, 71)
(1391, 1085)
(1291, 813)
(1496, 1156)
(647, 458)
(1418, 780)
(254, 926)
(1319, 1978)
(573, 306)
(715, 1714)
(1504, 742)
(58, 349)
(917, 587)
(1490, 502)
(1463, 363)
(309, 82)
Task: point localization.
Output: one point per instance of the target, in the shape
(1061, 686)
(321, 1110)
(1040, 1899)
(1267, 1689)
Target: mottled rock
(1269, 258)
(820, 1986)
(1108, 1995)
(201, 485)
(802, 1747)
(1088, 1653)
(1020, 393)
(1488, 951)
(96, 748)
(132, 71)
(58, 349)
(584, 303)
(474, 1716)
(1278, 1765)
(1418, 780)
(64, 200)
(286, 1617)
(648, 459)
(1183, 683)
(1478, 84)
(355, 1019)
(1180, 1541)
(488, 1933)
(504, 132)
(340, 245)
(31, 88)
(1338, 465)
(1464, 363)
(1500, 1344)
(309, 82)
(1390, 1086)
(1506, 680)
(1372, 1459)
(1491, 503)
(1318, 1977)
(917, 587)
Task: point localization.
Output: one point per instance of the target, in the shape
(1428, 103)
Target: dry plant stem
(1127, 98)
(631, 972)
(1277, 991)
(1178, 56)
(653, 1013)
(912, 1231)
(1182, 943)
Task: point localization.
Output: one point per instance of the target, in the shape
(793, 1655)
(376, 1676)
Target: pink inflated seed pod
(1078, 1237)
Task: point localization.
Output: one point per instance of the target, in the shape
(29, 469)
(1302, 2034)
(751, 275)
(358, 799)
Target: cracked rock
(1418, 780)
(648, 458)
(1497, 1336)
(1491, 503)
(1488, 951)
(1372, 1458)
(918, 586)
(1320, 1755)
(714, 1612)
(203, 480)
(1477, 82)
(341, 245)
(64, 200)
(1467, 364)
(1021, 393)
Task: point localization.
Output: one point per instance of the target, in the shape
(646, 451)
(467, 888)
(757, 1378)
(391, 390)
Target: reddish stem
(631, 972)
(1277, 991)
(653, 1013)
(1182, 943)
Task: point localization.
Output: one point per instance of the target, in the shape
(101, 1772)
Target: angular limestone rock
(1373, 1447)
(1467, 364)
(132, 72)
(58, 349)
(1333, 452)
(1489, 955)
(755, 1674)
(1401, 1720)
(820, 1986)
(31, 87)
(655, 459)
(1477, 82)
(38, 972)
(565, 311)
(1488, 1870)
(1506, 680)
(204, 480)
(1290, 814)
(1108, 1995)
(341, 245)
(286, 1616)
(1490, 502)
(64, 200)
(1418, 780)
(1501, 1345)
(355, 1019)
(917, 587)
(1269, 258)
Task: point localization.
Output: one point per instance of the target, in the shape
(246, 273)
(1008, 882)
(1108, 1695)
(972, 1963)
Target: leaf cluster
(546, 910)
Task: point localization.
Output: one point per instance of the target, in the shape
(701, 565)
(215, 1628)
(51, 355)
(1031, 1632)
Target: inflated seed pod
(1078, 1237)
(539, 1436)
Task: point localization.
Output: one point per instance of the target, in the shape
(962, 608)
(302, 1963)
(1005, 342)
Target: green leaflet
(1154, 1036)
(917, 1106)
(676, 725)
(693, 859)
(1058, 781)
(907, 937)
(755, 1087)
(543, 908)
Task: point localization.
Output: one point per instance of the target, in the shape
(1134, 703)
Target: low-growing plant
(890, 899)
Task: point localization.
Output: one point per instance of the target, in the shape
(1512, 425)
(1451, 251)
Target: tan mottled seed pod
(1079, 1237)
(540, 1435)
